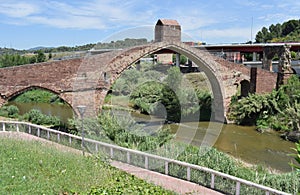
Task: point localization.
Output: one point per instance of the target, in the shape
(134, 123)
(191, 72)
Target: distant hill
(39, 48)
(113, 44)
(286, 32)
(121, 44)
(11, 51)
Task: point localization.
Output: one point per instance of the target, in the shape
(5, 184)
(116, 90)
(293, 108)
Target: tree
(275, 30)
(50, 55)
(41, 57)
(289, 26)
(287, 32)
(174, 78)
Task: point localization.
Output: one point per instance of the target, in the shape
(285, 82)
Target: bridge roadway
(246, 48)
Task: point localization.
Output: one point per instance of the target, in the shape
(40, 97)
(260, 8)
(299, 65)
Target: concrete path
(167, 182)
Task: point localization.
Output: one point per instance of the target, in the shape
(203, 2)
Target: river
(242, 142)
(62, 111)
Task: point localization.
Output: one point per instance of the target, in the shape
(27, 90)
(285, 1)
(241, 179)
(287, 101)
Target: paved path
(167, 182)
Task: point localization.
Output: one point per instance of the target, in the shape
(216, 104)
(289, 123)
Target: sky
(27, 24)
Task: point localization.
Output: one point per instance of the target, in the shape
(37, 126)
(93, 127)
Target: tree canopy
(286, 32)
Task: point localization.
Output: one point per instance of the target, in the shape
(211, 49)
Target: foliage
(9, 111)
(296, 156)
(278, 110)
(85, 47)
(150, 96)
(169, 96)
(36, 117)
(182, 59)
(212, 158)
(174, 78)
(251, 108)
(128, 42)
(7, 60)
(126, 184)
(37, 96)
(125, 132)
(287, 32)
(39, 168)
(41, 57)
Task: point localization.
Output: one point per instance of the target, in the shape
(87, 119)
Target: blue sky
(30, 23)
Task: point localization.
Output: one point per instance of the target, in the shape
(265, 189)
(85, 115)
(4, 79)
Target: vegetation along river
(243, 142)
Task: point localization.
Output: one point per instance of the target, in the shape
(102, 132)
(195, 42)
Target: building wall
(167, 33)
(164, 58)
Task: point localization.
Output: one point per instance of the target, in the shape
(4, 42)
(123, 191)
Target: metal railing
(145, 160)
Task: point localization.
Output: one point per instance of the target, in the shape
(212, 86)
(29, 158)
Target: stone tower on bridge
(167, 30)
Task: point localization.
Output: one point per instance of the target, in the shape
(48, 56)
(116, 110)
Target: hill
(286, 32)
(120, 44)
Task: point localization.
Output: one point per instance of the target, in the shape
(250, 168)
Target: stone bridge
(86, 81)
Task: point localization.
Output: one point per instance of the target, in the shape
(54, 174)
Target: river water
(242, 142)
(62, 111)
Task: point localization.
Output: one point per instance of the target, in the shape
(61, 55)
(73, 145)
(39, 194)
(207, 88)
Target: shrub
(36, 116)
(12, 111)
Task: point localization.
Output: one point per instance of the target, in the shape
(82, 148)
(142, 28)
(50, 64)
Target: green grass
(32, 167)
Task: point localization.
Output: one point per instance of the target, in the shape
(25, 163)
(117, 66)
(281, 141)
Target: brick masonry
(85, 81)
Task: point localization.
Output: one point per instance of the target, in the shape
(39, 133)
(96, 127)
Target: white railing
(44, 132)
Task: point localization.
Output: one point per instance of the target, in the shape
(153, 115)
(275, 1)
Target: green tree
(290, 26)
(174, 78)
(286, 32)
(41, 57)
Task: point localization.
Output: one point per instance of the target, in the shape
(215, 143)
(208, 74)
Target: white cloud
(18, 9)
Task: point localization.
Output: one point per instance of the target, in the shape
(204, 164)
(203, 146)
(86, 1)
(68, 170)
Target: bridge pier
(177, 59)
(2, 101)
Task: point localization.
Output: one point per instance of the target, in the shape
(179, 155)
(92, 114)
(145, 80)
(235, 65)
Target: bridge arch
(25, 89)
(203, 59)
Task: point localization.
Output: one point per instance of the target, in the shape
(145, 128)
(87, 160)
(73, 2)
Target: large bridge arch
(203, 59)
(102, 76)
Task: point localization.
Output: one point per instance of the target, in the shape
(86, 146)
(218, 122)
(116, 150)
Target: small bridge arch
(23, 90)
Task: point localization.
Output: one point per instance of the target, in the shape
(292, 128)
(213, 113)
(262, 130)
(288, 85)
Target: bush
(278, 110)
(36, 117)
(12, 111)
(9, 111)
(296, 156)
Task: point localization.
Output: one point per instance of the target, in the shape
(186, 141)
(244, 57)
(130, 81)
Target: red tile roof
(168, 22)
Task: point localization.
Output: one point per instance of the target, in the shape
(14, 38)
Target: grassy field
(33, 167)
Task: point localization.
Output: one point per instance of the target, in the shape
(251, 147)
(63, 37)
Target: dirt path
(167, 182)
